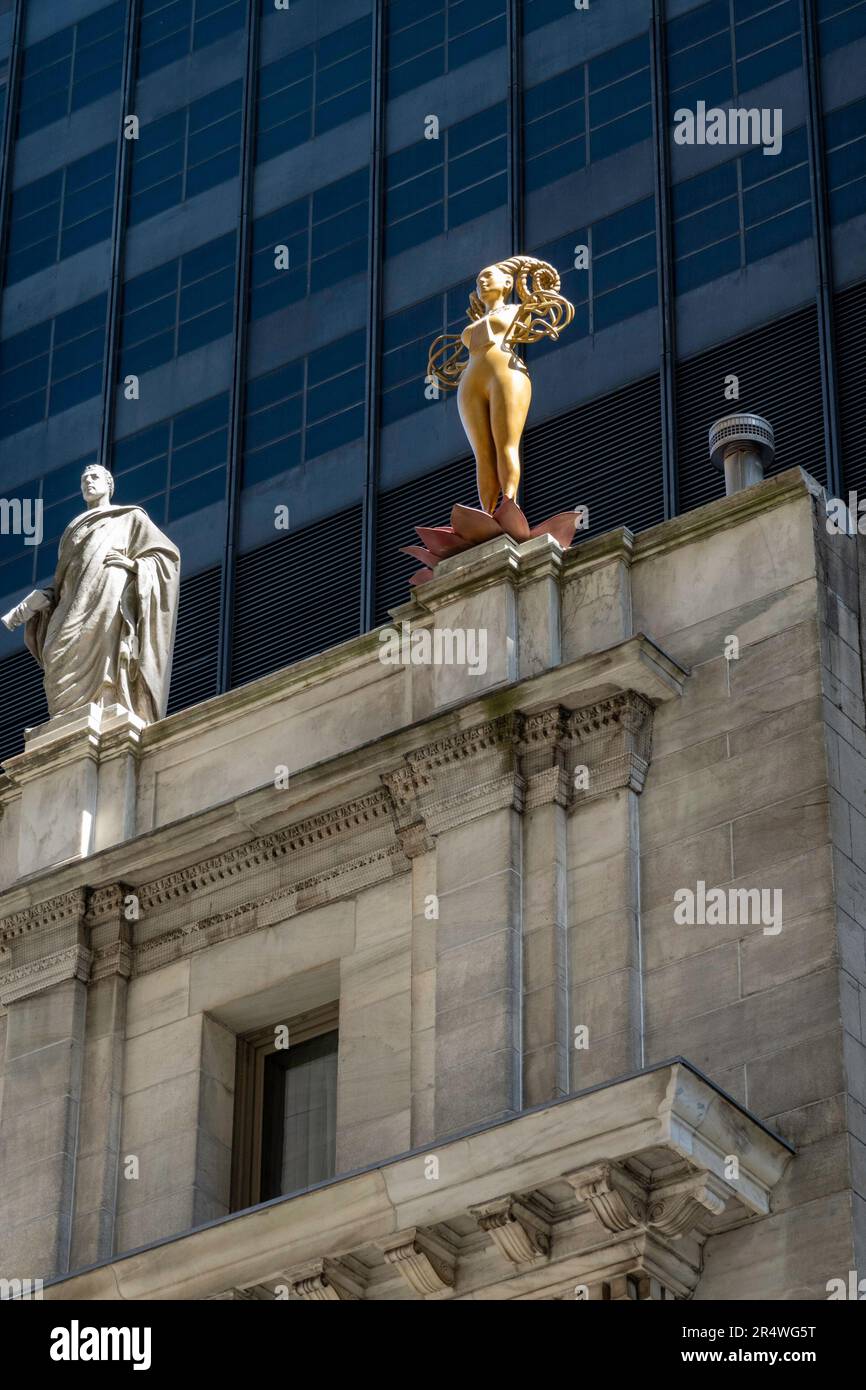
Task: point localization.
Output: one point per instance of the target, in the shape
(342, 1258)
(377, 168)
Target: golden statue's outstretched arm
(447, 359)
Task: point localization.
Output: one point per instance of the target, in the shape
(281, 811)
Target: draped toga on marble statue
(104, 631)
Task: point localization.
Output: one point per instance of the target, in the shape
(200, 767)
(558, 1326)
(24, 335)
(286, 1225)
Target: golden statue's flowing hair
(543, 312)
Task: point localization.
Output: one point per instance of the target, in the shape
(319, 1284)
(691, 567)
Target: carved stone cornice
(334, 854)
(457, 779)
(22, 981)
(519, 1232)
(424, 1261)
(65, 910)
(316, 836)
(620, 1202)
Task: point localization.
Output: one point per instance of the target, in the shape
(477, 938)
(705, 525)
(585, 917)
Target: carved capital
(613, 740)
(73, 963)
(543, 757)
(423, 1260)
(518, 1231)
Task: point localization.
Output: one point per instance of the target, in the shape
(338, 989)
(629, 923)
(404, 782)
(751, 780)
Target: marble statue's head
(97, 484)
(494, 283)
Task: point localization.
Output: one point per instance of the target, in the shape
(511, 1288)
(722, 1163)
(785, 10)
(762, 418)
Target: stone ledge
(664, 1135)
(637, 664)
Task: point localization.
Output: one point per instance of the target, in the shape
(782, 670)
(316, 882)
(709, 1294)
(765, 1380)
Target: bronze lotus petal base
(471, 527)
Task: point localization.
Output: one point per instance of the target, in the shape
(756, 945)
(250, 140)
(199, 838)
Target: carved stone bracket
(425, 1262)
(326, 1281)
(520, 1233)
(622, 1203)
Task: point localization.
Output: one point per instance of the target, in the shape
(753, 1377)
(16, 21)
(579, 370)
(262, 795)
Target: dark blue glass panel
(341, 429)
(625, 302)
(200, 456)
(22, 413)
(776, 195)
(216, 323)
(210, 27)
(74, 389)
(691, 28)
(709, 56)
(336, 197)
(339, 265)
(153, 284)
(632, 222)
(619, 135)
(337, 394)
(346, 107)
(563, 90)
(143, 357)
(477, 165)
(837, 30)
(411, 37)
(624, 264)
(218, 254)
(763, 67)
(348, 226)
(848, 201)
(702, 228)
(200, 420)
(201, 492)
(263, 391)
(478, 200)
(18, 573)
(619, 62)
(768, 237)
(275, 458)
(413, 74)
(476, 130)
(82, 319)
(336, 358)
(700, 192)
(283, 418)
(412, 323)
(476, 43)
(140, 448)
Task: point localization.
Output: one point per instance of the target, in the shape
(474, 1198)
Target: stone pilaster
(110, 914)
(608, 753)
(467, 793)
(45, 963)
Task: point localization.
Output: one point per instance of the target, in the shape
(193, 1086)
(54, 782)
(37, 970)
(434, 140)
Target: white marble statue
(104, 631)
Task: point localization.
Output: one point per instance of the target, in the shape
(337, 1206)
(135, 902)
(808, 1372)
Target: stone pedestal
(77, 778)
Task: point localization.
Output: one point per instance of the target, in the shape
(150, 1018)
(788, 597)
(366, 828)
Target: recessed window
(285, 1107)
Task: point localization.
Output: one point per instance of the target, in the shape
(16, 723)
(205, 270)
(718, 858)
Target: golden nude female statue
(493, 383)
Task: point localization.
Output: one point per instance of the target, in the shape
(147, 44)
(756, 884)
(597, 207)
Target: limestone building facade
(453, 897)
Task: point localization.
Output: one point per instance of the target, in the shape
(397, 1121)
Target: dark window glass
(61, 214)
(624, 264)
(426, 40)
(845, 136)
(186, 152)
(179, 306)
(841, 22)
(299, 1116)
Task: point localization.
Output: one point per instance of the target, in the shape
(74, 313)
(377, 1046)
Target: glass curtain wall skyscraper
(230, 229)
